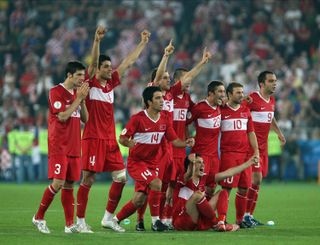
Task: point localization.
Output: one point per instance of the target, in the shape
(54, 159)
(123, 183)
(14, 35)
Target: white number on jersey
(58, 168)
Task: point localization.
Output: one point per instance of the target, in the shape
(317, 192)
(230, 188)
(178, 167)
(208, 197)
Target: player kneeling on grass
(193, 211)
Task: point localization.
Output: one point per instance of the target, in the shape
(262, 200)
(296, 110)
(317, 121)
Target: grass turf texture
(293, 207)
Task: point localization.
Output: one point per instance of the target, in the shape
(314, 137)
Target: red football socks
(126, 211)
(142, 210)
(46, 200)
(154, 202)
(82, 200)
(252, 198)
(205, 209)
(241, 204)
(222, 205)
(67, 201)
(114, 196)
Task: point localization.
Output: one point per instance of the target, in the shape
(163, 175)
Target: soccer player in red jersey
(206, 116)
(237, 135)
(172, 95)
(144, 134)
(193, 211)
(66, 108)
(182, 103)
(262, 108)
(99, 146)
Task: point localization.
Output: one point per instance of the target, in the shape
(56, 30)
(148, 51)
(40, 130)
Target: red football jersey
(207, 121)
(182, 104)
(186, 190)
(64, 138)
(168, 105)
(148, 135)
(235, 126)
(99, 103)
(262, 112)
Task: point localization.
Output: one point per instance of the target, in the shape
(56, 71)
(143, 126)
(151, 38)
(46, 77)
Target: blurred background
(38, 38)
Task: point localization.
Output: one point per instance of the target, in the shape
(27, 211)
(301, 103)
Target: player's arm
(84, 114)
(163, 64)
(95, 52)
(275, 127)
(82, 93)
(126, 141)
(188, 174)
(181, 143)
(235, 170)
(134, 55)
(254, 143)
(187, 78)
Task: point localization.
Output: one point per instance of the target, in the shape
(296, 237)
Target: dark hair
(73, 67)
(262, 76)
(178, 73)
(187, 162)
(148, 94)
(103, 58)
(213, 86)
(231, 86)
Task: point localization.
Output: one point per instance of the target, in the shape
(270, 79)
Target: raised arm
(275, 127)
(187, 78)
(134, 55)
(95, 52)
(163, 64)
(235, 170)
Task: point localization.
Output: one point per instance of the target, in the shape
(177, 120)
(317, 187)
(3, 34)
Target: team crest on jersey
(189, 115)
(57, 105)
(124, 131)
(162, 127)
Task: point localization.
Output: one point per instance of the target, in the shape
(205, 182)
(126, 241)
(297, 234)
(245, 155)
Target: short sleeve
(56, 102)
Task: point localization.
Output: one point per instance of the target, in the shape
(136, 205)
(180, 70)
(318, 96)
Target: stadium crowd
(37, 39)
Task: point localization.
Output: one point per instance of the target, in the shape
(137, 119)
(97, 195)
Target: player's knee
(119, 176)
(88, 178)
(155, 185)
(139, 199)
(68, 184)
(243, 191)
(256, 181)
(58, 184)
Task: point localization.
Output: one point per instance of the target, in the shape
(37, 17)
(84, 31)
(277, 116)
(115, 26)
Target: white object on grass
(270, 223)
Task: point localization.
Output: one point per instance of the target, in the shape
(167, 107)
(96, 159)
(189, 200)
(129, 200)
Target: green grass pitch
(294, 207)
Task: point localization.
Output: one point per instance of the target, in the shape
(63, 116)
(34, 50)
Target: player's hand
(254, 160)
(169, 49)
(83, 91)
(201, 193)
(145, 35)
(190, 142)
(282, 139)
(206, 56)
(248, 98)
(99, 33)
(131, 143)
